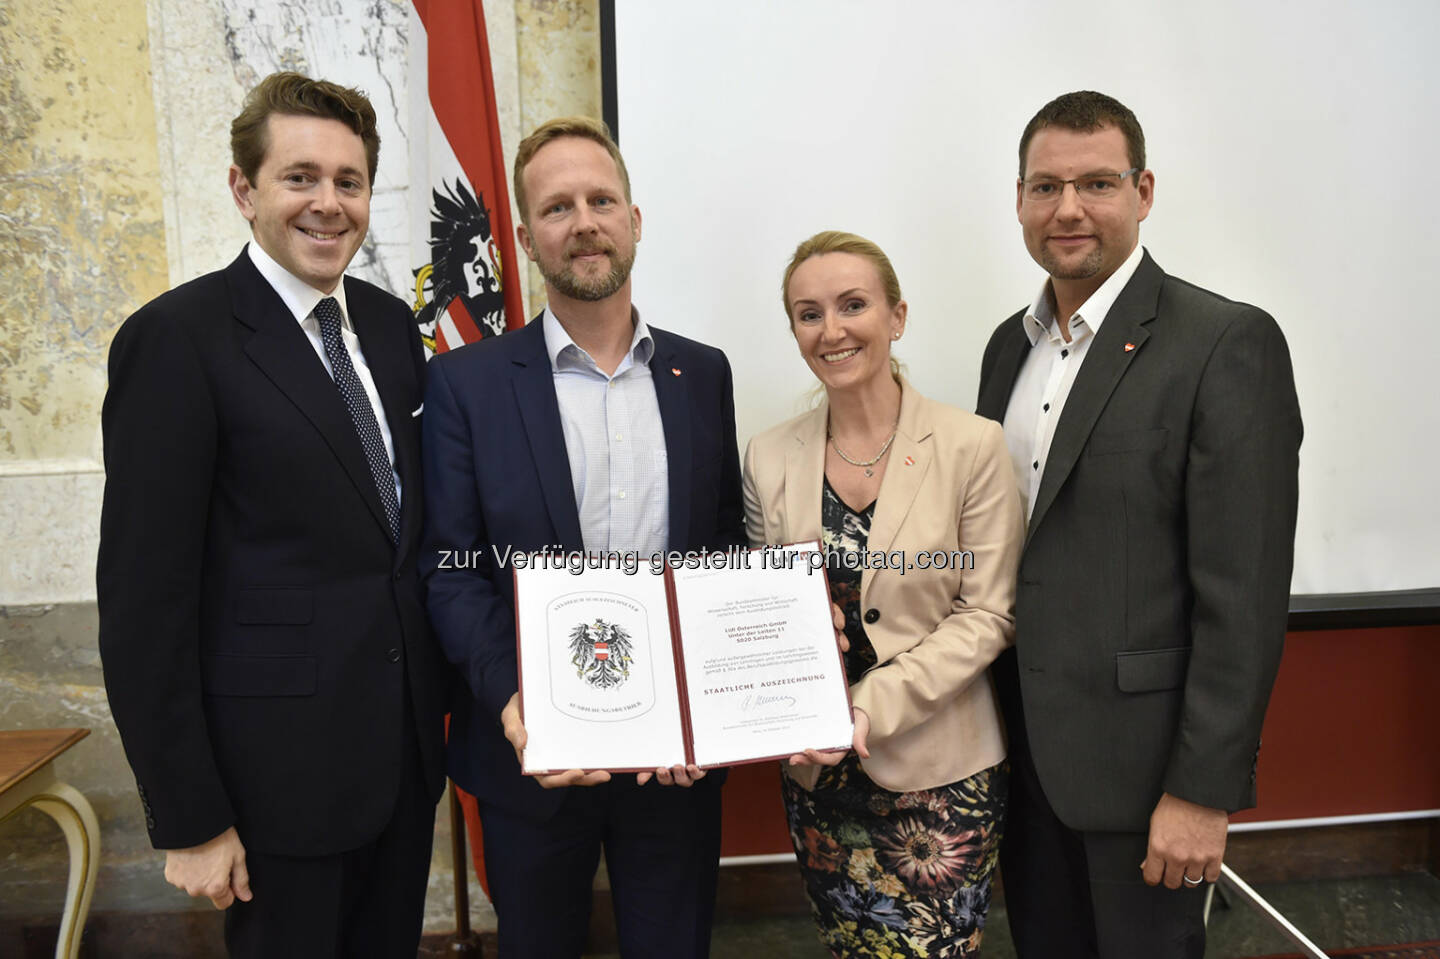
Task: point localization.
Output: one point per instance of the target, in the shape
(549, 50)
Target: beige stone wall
(82, 239)
(559, 47)
(113, 118)
(50, 677)
(82, 243)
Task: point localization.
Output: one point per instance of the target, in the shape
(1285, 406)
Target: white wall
(1297, 165)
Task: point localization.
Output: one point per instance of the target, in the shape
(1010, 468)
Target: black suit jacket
(260, 633)
(497, 477)
(1154, 584)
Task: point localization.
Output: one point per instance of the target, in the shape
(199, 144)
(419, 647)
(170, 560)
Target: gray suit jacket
(1154, 583)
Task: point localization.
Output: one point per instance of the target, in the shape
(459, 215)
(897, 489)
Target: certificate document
(713, 659)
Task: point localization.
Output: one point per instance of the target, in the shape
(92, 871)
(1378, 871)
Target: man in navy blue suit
(588, 429)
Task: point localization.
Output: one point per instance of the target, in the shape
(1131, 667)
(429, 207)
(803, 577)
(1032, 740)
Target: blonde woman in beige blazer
(897, 839)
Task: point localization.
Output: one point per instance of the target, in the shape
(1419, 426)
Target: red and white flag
(467, 280)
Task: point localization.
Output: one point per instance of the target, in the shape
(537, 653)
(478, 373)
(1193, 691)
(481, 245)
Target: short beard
(1085, 269)
(566, 282)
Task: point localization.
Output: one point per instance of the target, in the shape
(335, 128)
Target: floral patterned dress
(891, 875)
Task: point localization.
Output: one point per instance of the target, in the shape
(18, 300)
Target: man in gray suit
(1155, 433)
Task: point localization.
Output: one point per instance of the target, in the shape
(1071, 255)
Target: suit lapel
(910, 456)
(804, 476)
(1105, 363)
(534, 385)
(905, 470)
(1000, 381)
(388, 368)
(672, 392)
(283, 353)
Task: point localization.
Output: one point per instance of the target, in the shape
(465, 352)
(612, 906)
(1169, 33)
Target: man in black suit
(1155, 432)
(587, 429)
(266, 653)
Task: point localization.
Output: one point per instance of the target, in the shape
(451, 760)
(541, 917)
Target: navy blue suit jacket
(497, 477)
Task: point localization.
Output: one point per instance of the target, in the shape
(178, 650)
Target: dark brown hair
(1086, 111)
(295, 94)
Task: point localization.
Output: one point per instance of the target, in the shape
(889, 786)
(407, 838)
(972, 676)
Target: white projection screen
(1296, 150)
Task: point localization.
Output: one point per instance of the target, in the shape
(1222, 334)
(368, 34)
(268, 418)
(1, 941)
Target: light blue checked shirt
(615, 440)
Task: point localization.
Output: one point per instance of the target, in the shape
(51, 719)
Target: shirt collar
(1041, 315)
(565, 354)
(300, 297)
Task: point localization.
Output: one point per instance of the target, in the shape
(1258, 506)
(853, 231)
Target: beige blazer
(948, 486)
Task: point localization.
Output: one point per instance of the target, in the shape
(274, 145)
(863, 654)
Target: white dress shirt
(1048, 373)
(615, 441)
(302, 298)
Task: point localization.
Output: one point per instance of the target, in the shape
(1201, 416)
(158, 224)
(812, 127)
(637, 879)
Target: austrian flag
(467, 280)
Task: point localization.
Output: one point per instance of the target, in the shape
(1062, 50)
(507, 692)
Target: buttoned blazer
(498, 481)
(1155, 578)
(257, 625)
(948, 487)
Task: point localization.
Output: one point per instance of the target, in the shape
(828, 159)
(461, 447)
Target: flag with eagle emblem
(467, 280)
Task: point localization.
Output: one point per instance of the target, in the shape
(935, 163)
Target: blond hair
(838, 241)
(586, 128)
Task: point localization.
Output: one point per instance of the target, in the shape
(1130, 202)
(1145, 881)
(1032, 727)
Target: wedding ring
(1193, 882)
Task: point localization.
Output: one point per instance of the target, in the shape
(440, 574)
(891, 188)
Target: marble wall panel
(50, 677)
(50, 523)
(230, 45)
(501, 27)
(209, 53)
(114, 129)
(81, 245)
(196, 94)
(81, 232)
(559, 44)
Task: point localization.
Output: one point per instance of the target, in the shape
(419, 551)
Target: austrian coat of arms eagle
(602, 653)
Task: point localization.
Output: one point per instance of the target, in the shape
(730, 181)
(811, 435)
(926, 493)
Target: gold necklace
(864, 464)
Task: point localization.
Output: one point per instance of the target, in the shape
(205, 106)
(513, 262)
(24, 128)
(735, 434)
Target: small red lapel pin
(675, 370)
(1129, 347)
(909, 461)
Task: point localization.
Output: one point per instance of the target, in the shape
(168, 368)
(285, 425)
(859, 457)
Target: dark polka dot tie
(327, 311)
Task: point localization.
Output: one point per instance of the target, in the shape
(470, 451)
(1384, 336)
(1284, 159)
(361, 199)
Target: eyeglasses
(1090, 188)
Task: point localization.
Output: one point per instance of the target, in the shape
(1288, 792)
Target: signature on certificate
(763, 701)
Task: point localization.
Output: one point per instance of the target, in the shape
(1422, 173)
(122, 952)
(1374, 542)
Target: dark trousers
(1079, 895)
(367, 902)
(662, 849)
